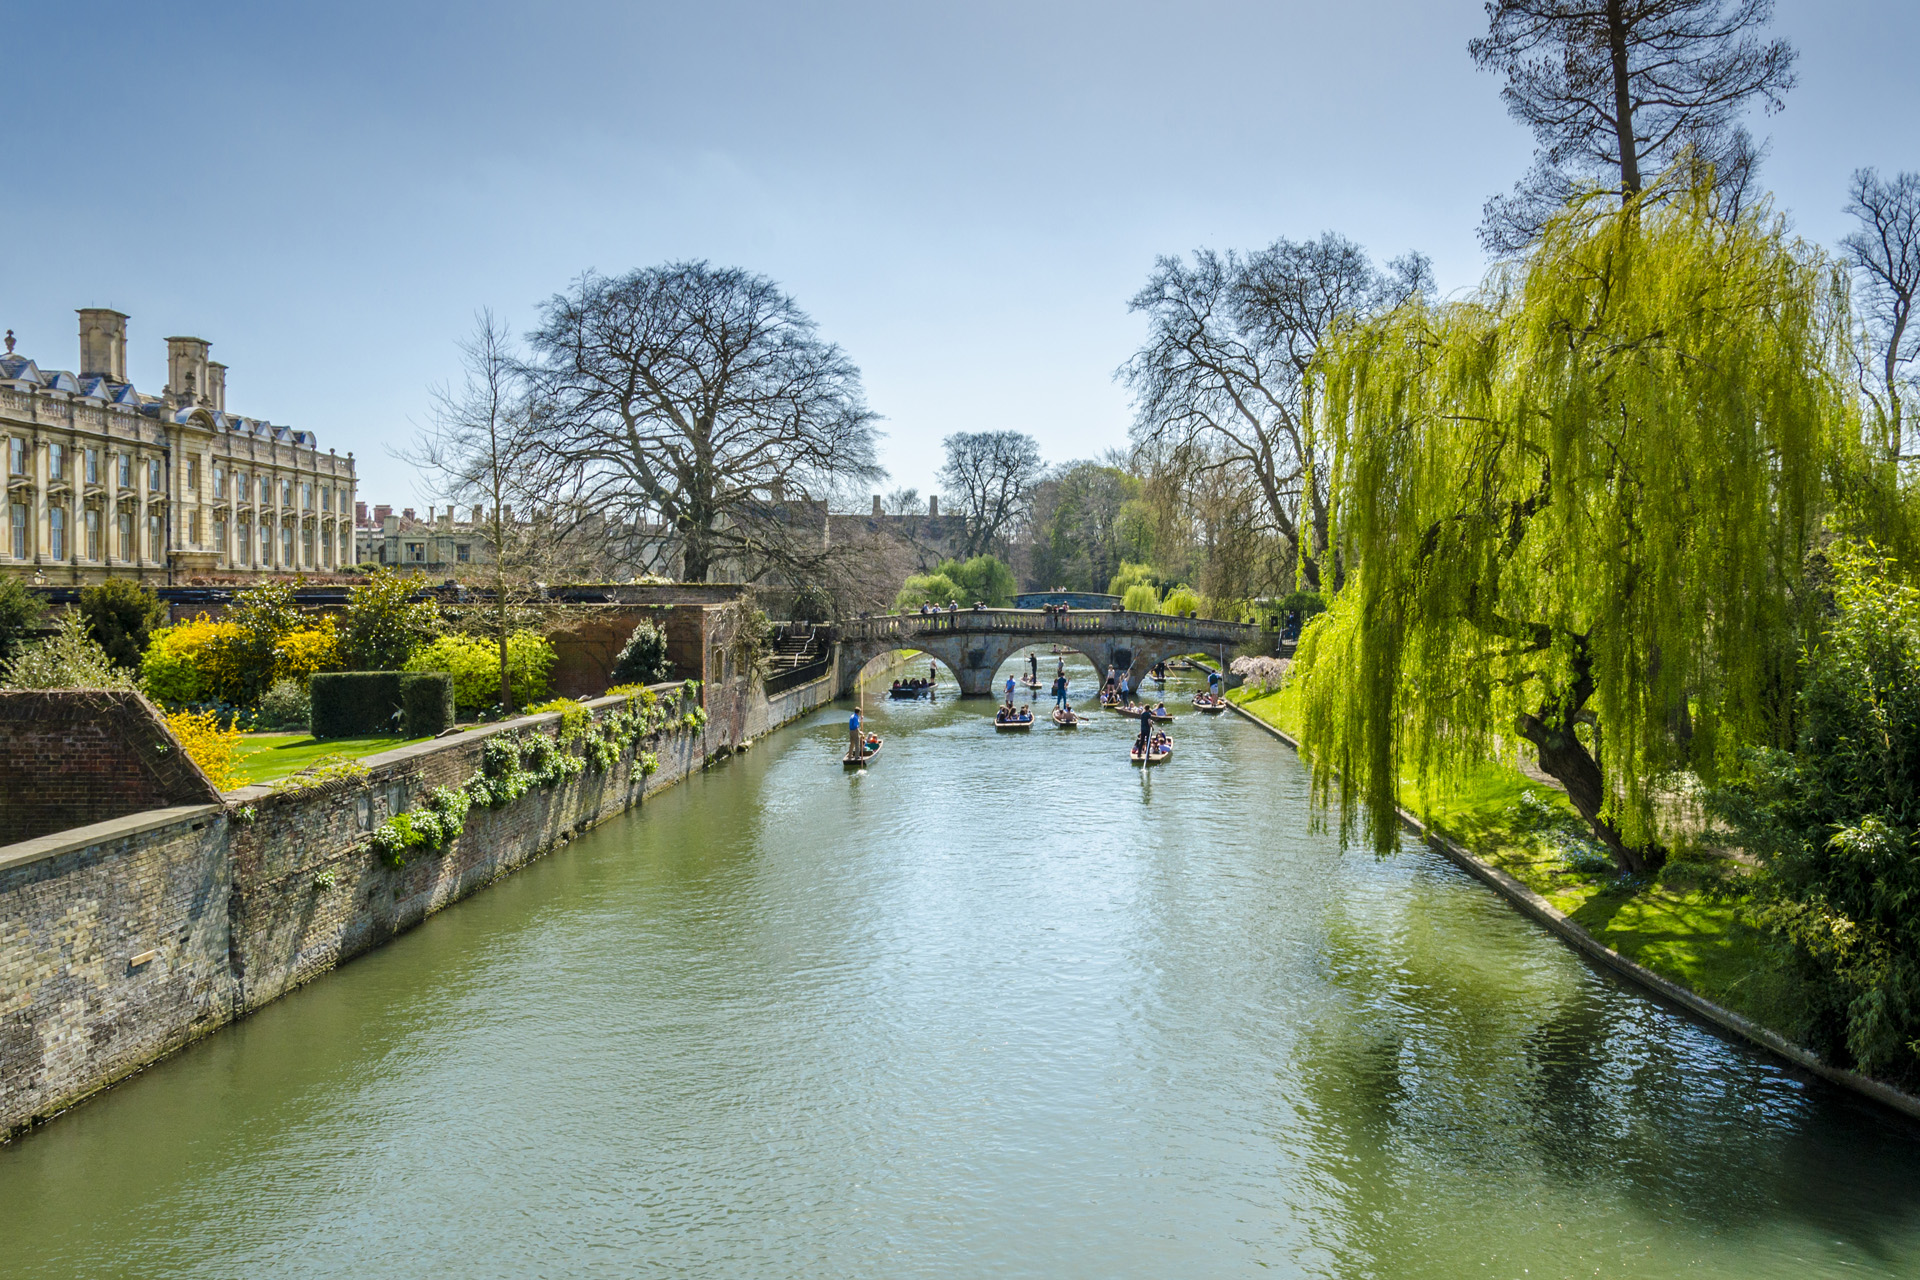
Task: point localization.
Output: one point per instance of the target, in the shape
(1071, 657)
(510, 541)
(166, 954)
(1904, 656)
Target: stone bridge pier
(975, 643)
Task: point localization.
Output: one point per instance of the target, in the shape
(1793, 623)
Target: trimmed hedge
(358, 704)
(426, 703)
(354, 704)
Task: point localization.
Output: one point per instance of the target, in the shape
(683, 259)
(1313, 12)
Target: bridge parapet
(974, 642)
(913, 626)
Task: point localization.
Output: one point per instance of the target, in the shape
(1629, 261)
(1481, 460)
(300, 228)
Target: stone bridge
(974, 642)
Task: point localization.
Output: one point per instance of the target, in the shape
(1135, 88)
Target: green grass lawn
(1688, 924)
(268, 757)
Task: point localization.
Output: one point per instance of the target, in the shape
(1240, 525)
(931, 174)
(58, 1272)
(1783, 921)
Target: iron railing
(912, 626)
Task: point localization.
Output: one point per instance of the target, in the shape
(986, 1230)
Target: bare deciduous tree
(701, 397)
(1618, 90)
(1222, 379)
(1884, 253)
(989, 476)
(483, 448)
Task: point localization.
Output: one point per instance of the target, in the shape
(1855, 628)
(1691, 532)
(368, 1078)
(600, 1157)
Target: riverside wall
(124, 940)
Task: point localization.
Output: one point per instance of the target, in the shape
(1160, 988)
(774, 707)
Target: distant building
(104, 480)
(443, 546)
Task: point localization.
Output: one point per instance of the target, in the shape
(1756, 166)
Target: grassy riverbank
(1689, 923)
(268, 757)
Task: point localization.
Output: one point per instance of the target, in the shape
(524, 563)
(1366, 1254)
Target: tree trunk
(1563, 758)
(1623, 100)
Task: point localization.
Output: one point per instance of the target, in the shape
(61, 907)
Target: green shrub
(354, 704)
(20, 614)
(122, 616)
(474, 664)
(1181, 601)
(426, 703)
(285, 705)
(1141, 598)
(384, 624)
(644, 659)
(69, 660)
(1131, 575)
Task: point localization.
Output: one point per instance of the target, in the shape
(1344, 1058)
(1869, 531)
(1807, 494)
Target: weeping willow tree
(1576, 505)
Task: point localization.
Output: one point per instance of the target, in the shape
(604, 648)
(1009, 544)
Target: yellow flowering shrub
(214, 749)
(191, 662)
(301, 653)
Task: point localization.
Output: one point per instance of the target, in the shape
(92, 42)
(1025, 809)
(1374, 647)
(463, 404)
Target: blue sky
(964, 196)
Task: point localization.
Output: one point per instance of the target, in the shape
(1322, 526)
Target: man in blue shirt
(1009, 690)
(856, 744)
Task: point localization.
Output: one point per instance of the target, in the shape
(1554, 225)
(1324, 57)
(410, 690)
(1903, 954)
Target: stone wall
(113, 952)
(122, 941)
(70, 759)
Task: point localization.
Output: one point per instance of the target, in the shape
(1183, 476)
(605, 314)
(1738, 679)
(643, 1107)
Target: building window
(93, 534)
(286, 548)
(243, 545)
(154, 479)
(326, 545)
(266, 544)
(286, 494)
(306, 497)
(125, 464)
(56, 462)
(156, 538)
(18, 524)
(326, 498)
(193, 475)
(127, 551)
(16, 456)
(416, 553)
(57, 532)
(240, 485)
(93, 466)
(194, 526)
(219, 481)
(462, 552)
(383, 553)
(220, 536)
(306, 546)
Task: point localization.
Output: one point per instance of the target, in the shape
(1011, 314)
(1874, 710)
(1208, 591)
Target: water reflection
(1002, 1003)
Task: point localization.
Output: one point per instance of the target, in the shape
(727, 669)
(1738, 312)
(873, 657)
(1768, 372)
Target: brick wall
(242, 901)
(70, 758)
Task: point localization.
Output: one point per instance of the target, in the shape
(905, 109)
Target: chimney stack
(479, 516)
(359, 513)
(380, 512)
(187, 370)
(406, 513)
(876, 504)
(103, 343)
(933, 507)
(217, 386)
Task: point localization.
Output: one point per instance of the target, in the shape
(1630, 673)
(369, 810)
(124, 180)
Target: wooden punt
(873, 749)
(1065, 718)
(1009, 726)
(1150, 756)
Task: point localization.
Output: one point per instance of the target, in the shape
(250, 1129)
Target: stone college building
(104, 480)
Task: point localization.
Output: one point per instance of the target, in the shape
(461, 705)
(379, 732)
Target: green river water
(1001, 1005)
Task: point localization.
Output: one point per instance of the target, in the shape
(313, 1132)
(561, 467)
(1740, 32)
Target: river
(1000, 1005)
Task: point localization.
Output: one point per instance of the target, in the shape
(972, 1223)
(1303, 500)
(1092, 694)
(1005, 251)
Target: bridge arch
(974, 643)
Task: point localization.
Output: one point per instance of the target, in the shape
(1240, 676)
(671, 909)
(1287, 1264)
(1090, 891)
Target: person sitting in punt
(1160, 708)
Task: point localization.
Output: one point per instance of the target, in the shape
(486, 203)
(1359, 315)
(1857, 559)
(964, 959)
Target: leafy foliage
(1578, 503)
(643, 659)
(927, 588)
(474, 664)
(1836, 822)
(68, 660)
(1140, 598)
(384, 623)
(122, 616)
(211, 745)
(262, 618)
(20, 614)
(285, 705)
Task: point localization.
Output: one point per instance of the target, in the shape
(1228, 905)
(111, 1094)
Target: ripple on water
(1003, 1004)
